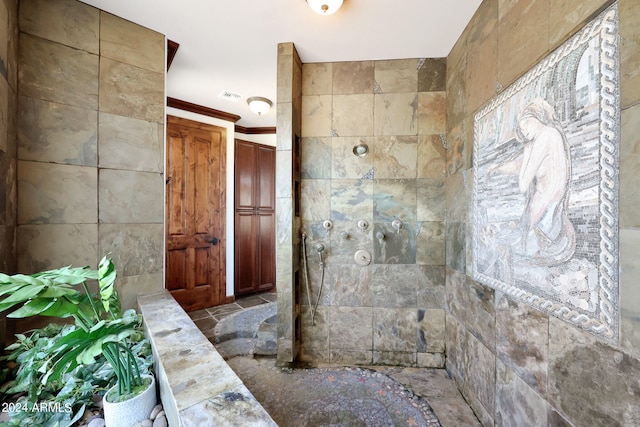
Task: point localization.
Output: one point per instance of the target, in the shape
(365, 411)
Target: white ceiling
(232, 45)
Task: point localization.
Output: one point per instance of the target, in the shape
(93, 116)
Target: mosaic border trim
(605, 322)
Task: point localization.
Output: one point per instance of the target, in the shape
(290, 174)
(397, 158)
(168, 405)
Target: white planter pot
(129, 412)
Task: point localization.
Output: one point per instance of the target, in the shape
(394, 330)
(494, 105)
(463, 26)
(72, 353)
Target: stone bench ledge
(196, 385)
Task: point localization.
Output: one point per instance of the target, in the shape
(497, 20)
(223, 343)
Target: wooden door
(195, 239)
(254, 217)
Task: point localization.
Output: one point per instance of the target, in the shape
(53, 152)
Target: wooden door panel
(176, 149)
(245, 175)
(266, 250)
(266, 179)
(246, 251)
(195, 213)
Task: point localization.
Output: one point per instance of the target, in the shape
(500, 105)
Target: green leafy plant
(62, 361)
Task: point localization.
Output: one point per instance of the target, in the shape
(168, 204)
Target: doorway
(195, 213)
(254, 213)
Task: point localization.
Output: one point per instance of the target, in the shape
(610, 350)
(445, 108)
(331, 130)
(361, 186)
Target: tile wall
(516, 365)
(90, 143)
(8, 177)
(392, 310)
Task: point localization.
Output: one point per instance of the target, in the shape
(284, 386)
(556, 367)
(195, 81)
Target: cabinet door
(245, 175)
(266, 177)
(266, 250)
(245, 252)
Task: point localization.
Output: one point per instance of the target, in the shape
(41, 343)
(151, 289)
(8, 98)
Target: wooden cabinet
(255, 225)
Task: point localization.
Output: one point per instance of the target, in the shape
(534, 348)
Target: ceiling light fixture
(324, 7)
(259, 105)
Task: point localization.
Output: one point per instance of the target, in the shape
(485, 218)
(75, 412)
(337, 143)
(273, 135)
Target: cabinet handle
(213, 241)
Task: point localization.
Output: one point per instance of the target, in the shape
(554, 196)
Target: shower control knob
(380, 235)
(362, 257)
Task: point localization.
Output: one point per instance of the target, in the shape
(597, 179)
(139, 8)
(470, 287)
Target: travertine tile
(345, 164)
(577, 362)
(130, 287)
(430, 286)
(430, 200)
(455, 344)
(56, 194)
(57, 133)
(629, 12)
(457, 147)
(432, 113)
(473, 305)
(480, 381)
(431, 330)
(352, 115)
(350, 328)
(351, 357)
(516, 403)
(456, 202)
(68, 22)
(285, 73)
(392, 246)
(132, 44)
(53, 72)
(396, 114)
(284, 178)
(284, 123)
(131, 91)
(523, 34)
(430, 243)
(482, 56)
(346, 239)
(315, 204)
(130, 144)
(394, 286)
(455, 245)
(136, 249)
(394, 198)
(353, 77)
(46, 246)
(394, 329)
(630, 168)
(316, 115)
(130, 197)
(629, 292)
(432, 75)
(394, 358)
(317, 78)
(431, 156)
(315, 335)
(522, 337)
(316, 157)
(351, 285)
(566, 16)
(351, 199)
(395, 157)
(395, 76)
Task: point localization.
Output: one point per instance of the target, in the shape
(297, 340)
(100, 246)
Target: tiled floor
(261, 375)
(207, 319)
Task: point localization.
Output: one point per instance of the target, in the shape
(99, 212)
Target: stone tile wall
(8, 177)
(90, 143)
(391, 311)
(287, 218)
(515, 365)
(8, 96)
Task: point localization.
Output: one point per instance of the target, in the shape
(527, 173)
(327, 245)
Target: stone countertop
(196, 385)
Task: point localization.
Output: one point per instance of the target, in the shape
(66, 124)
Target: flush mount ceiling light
(325, 7)
(259, 105)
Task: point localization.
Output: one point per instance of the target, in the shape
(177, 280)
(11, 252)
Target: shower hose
(319, 248)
